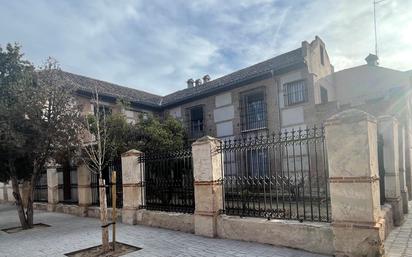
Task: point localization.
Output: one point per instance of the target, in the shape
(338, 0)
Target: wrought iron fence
(282, 175)
(40, 188)
(168, 181)
(67, 186)
(107, 173)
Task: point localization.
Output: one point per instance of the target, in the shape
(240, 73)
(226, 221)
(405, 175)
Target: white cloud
(157, 45)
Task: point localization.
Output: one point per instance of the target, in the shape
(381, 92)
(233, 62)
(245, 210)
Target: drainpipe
(277, 82)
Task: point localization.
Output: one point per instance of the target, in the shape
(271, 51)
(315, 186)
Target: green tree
(38, 120)
(154, 134)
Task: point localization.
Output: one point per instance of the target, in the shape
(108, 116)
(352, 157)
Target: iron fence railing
(67, 185)
(282, 176)
(107, 175)
(40, 188)
(168, 181)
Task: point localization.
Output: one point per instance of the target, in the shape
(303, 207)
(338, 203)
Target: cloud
(157, 45)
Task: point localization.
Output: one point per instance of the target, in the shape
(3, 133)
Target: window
(323, 95)
(196, 125)
(322, 57)
(253, 110)
(103, 110)
(295, 92)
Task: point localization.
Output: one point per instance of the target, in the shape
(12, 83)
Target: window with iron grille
(295, 92)
(253, 110)
(196, 122)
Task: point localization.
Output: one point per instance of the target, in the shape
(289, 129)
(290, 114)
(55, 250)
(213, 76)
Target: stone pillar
(208, 185)
(2, 194)
(402, 170)
(84, 190)
(52, 187)
(132, 176)
(9, 192)
(351, 139)
(408, 157)
(388, 129)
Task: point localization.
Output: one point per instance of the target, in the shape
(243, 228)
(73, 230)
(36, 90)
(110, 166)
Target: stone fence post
(132, 185)
(52, 187)
(388, 128)
(402, 170)
(351, 139)
(2, 192)
(408, 156)
(9, 192)
(208, 185)
(84, 191)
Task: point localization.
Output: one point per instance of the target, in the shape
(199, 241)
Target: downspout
(278, 98)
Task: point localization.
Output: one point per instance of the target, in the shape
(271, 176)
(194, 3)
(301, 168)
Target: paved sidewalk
(70, 233)
(399, 241)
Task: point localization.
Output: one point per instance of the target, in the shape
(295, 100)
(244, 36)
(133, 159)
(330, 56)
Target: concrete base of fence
(397, 209)
(387, 215)
(51, 207)
(405, 200)
(94, 212)
(40, 206)
(129, 215)
(170, 220)
(313, 237)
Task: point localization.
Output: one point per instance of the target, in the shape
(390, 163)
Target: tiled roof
(277, 63)
(109, 89)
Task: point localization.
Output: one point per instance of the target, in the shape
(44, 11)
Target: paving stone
(70, 233)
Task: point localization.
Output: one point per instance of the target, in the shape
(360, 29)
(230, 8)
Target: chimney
(372, 60)
(190, 83)
(206, 78)
(198, 82)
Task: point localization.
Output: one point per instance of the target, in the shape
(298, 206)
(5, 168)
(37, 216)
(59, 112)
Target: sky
(156, 45)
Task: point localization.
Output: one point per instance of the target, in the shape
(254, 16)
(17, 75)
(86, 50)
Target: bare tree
(95, 143)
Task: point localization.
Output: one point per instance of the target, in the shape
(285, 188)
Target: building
(279, 93)
(296, 89)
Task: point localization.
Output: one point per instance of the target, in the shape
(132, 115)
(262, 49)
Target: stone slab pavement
(399, 241)
(70, 233)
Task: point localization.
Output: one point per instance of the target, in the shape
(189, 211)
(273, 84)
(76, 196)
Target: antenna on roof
(375, 2)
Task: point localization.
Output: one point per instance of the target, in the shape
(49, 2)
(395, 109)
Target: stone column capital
(207, 140)
(132, 152)
(349, 116)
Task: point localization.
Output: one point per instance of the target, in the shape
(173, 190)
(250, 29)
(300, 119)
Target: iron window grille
(253, 110)
(196, 125)
(295, 92)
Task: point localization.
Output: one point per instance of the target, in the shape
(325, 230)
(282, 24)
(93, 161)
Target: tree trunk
(29, 212)
(103, 215)
(19, 203)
